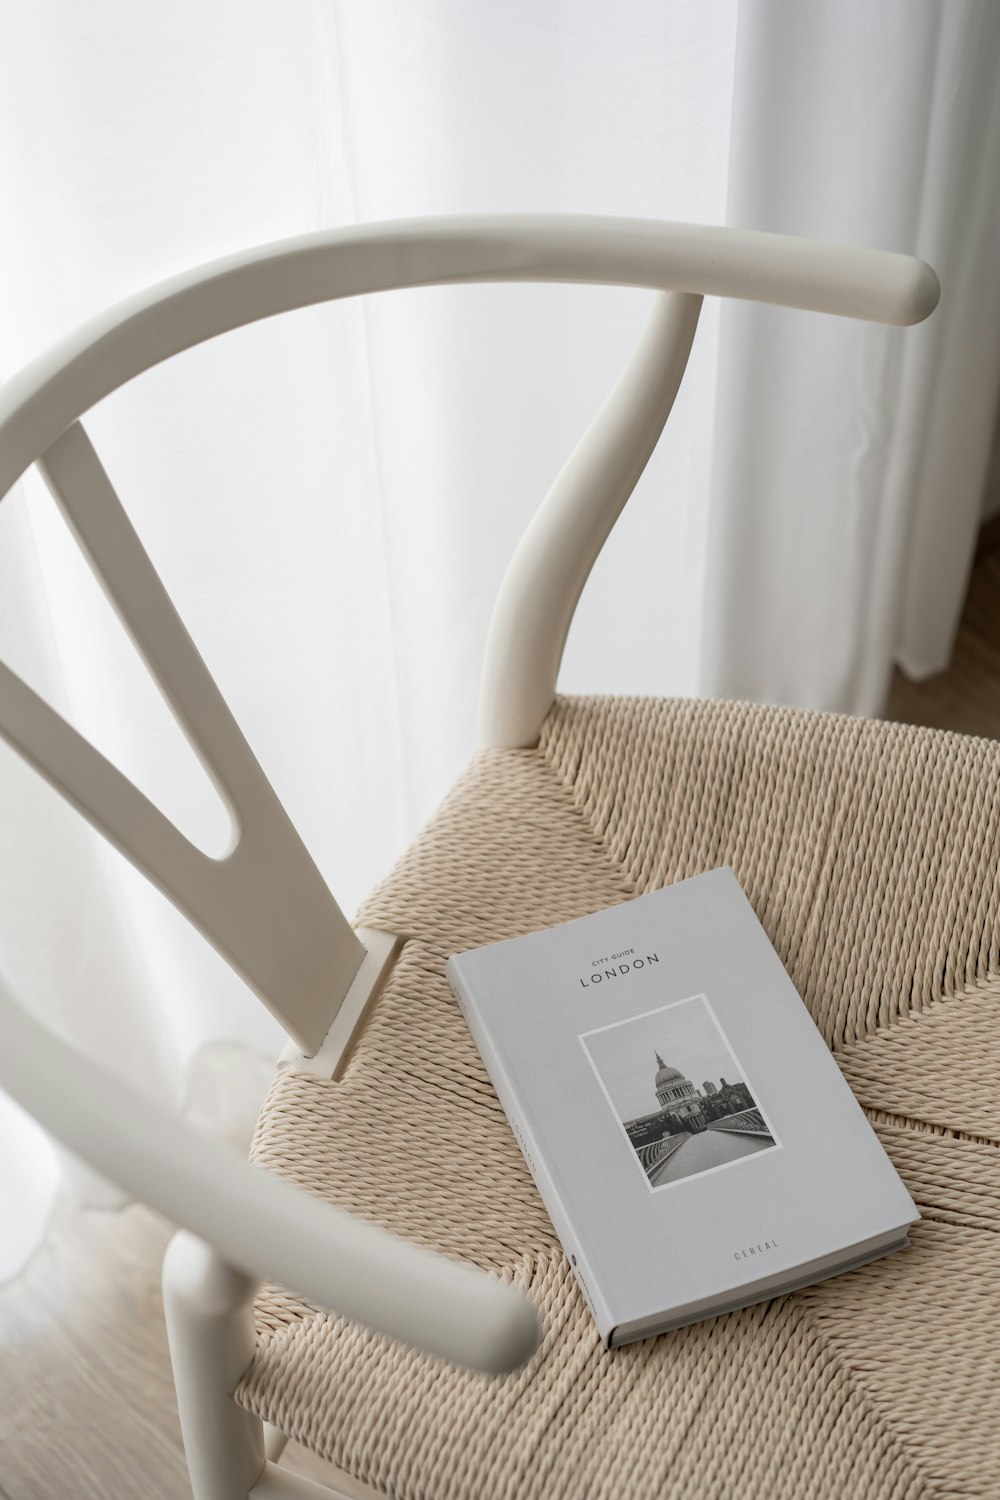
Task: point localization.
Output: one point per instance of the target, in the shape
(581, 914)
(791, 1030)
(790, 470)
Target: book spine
(528, 1142)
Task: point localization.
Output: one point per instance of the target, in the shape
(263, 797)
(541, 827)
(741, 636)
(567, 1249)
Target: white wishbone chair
(263, 905)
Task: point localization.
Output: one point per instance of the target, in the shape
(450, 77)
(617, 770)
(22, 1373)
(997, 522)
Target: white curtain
(850, 461)
(332, 497)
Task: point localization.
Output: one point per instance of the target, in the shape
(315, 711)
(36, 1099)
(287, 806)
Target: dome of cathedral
(665, 1074)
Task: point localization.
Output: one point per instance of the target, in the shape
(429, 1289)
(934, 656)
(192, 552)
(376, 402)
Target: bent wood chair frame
(263, 905)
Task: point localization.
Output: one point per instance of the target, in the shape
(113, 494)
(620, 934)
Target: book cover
(691, 1135)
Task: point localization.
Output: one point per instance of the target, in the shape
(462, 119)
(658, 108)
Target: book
(688, 1129)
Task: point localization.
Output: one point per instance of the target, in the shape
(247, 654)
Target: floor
(86, 1400)
(967, 696)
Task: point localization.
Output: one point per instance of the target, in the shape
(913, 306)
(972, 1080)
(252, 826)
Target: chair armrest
(267, 1228)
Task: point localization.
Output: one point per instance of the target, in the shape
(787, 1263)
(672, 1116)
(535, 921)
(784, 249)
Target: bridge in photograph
(724, 1141)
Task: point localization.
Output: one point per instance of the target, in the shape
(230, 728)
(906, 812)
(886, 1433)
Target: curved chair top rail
(42, 400)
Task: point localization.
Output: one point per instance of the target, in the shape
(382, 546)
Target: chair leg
(209, 1310)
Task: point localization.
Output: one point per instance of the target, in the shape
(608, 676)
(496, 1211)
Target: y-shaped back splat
(264, 905)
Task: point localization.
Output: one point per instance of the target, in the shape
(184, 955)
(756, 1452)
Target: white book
(689, 1131)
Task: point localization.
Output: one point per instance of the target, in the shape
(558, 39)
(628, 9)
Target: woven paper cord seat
(871, 853)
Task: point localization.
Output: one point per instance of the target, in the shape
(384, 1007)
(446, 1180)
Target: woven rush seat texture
(871, 853)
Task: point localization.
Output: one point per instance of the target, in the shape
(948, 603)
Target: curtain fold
(850, 460)
(332, 498)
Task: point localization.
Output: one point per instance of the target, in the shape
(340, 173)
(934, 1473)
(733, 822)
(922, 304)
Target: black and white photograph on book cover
(675, 1087)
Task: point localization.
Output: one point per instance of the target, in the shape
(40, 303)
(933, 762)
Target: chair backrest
(264, 905)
